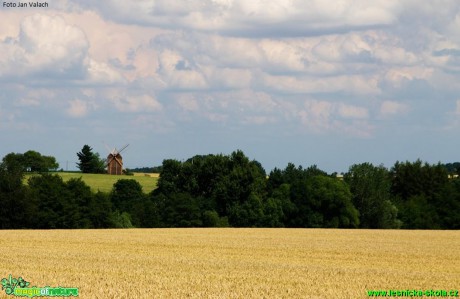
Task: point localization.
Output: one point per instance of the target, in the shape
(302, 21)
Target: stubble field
(232, 263)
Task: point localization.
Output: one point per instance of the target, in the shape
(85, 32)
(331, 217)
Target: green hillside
(104, 182)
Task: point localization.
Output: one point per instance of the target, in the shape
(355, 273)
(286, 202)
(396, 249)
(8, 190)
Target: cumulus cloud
(328, 67)
(46, 45)
(101, 74)
(323, 116)
(253, 18)
(177, 72)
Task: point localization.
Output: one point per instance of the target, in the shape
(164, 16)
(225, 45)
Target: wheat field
(232, 263)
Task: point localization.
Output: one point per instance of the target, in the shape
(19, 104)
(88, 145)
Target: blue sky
(330, 83)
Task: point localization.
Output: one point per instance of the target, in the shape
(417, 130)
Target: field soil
(232, 263)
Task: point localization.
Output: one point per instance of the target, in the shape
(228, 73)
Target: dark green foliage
(423, 192)
(321, 201)
(90, 162)
(453, 168)
(249, 213)
(211, 219)
(179, 210)
(15, 210)
(121, 220)
(57, 208)
(370, 186)
(31, 161)
(155, 169)
(127, 196)
(100, 211)
(410, 179)
(448, 205)
(221, 191)
(224, 184)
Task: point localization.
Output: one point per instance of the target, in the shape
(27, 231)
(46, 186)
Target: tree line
(231, 190)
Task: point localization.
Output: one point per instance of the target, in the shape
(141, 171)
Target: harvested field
(232, 263)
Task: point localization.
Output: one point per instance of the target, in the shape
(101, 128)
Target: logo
(19, 287)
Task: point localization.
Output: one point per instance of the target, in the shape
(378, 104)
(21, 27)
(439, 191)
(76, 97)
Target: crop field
(232, 263)
(104, 182)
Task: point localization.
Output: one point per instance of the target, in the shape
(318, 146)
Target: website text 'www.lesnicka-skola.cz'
(413, 293)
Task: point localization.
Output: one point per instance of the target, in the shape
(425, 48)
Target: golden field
(232, 263)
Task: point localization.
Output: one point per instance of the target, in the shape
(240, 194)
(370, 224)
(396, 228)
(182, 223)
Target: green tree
(334, 200)
(90, 162)
(100, 211)
(418, 188)
(57, 207)
(448, 205)
(16, 211)
(121, 220)
(125, 192)
(180, 210)
(82, 196)
(32, 161)
(370, 186)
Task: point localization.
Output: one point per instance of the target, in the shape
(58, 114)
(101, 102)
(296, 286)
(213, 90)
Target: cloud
(177, 72)
(136, 103)
(328, 117)
(352, 112)
(101, 74)
(78, 108)
(48, 50)
(389, 108)
(46, 45)
(252, 18)
(188, 103)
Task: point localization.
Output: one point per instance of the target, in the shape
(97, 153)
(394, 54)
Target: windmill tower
(115, 161)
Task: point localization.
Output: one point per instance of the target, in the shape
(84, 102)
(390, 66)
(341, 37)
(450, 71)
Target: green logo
(10, 284)
(19, 287)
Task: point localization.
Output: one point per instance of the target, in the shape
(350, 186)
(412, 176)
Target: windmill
(114, 161)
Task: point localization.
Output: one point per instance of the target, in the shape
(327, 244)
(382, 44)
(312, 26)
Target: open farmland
(104, 182)
(232, 263)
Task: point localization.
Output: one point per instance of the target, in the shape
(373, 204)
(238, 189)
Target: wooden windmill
(114, 161)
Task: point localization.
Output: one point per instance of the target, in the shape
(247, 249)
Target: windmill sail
(115, 161)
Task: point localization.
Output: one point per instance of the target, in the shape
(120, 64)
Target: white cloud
(46, 45)
(101, 74)
(238, 63)
(354, 84)
(78, 108)
(177, 72)
(188, 102)
(331, 117)
(136, 103)
(252, 18)
(389, 108)
(352, 112)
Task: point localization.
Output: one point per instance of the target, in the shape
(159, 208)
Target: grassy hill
(104, 182)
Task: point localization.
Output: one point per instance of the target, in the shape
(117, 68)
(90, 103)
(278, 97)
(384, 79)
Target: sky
(326, 83)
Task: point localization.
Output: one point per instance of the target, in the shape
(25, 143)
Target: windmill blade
(123, 148)
(108, 160)
(107, 147)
